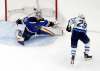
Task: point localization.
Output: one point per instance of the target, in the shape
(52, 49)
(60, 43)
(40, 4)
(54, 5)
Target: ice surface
(44, 53)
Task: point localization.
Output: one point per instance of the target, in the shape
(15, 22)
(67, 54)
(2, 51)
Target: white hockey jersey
(78, 22)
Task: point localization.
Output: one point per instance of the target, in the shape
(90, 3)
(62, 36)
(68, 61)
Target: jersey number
(82, 24)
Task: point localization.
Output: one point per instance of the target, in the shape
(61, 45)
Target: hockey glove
(68, 28)
(40, 19)
(51, 24)
(19, 21)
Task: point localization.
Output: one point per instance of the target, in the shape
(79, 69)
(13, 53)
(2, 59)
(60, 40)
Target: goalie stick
(47, 31)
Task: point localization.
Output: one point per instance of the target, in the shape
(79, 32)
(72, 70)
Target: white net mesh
(29, 11)
(22, 8)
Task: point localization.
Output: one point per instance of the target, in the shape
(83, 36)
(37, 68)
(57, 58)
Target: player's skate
(21, 42)
(72, 59)
(87, 56)
(19, 37)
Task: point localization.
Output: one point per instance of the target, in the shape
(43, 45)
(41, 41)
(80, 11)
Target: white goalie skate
(19, 37)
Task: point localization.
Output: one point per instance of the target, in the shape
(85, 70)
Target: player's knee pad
(87, 40)
(87, 45)
(73, 46)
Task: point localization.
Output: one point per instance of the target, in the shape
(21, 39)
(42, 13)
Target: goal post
(6, 10)
(56, 9)
(9, 4)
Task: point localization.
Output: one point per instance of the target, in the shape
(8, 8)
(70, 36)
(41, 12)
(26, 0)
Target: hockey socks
(72, 59)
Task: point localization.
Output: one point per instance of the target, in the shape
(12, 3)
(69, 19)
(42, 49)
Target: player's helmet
(34, 9)
(81, 16)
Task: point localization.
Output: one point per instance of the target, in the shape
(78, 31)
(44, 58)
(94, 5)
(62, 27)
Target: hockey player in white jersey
(78, 33)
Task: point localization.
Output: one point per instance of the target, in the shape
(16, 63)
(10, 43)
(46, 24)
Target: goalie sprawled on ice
(30, 26)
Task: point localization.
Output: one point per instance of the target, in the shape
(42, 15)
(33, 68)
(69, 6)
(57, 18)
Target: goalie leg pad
(27, 35)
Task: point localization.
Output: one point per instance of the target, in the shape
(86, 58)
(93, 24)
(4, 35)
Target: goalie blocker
(30, 26)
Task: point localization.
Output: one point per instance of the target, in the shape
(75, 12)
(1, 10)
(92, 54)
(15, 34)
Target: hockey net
(48, 9)
(29, 11)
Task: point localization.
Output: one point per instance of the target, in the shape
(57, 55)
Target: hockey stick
(47, 31)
